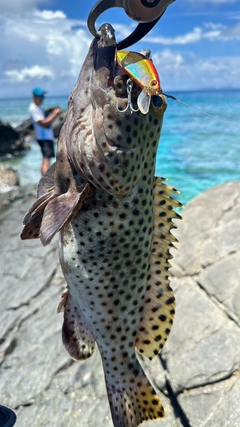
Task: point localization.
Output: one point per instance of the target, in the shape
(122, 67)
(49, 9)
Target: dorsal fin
(159, 304)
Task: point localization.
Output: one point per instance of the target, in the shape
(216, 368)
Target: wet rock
(11, 140)
(8, 177)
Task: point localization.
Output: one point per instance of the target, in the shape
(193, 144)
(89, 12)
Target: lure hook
(129, 103)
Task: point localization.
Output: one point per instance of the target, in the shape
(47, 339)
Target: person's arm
(46, 122)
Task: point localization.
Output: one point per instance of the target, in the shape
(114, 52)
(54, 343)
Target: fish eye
(153, 83)
(159, 104)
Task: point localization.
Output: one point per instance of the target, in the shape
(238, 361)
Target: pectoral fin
(56, 204)
(59, 211)
(46, 183)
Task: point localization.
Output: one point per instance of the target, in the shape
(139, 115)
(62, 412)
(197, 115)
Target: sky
(195, 45)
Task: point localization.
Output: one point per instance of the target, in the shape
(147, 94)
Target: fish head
(106, 135)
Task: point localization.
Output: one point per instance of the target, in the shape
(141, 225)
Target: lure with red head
(143, 72)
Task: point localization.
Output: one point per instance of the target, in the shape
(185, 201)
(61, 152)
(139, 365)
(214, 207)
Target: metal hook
(129, 103)
(146, 12)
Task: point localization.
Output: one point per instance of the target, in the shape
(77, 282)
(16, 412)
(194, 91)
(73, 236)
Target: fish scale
(115, 220)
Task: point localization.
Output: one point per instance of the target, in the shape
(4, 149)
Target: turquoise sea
(196, 151)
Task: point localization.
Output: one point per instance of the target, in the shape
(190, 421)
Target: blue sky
(195, 45)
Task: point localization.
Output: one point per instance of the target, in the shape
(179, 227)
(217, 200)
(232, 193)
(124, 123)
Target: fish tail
(133, 400)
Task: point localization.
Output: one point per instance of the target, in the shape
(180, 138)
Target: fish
(114, 219)
(140, 68)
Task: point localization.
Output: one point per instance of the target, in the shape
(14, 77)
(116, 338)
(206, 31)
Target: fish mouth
(106, 47)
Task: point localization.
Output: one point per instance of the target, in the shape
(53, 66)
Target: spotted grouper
(114, 219)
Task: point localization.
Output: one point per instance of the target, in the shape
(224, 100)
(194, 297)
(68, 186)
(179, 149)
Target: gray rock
(9, 183)
(221, 281)
(214, 405)
(194, 352)
(211, 229)
(8, 177)
(11, 141)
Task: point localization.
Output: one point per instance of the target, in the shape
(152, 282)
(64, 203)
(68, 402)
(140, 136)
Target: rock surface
(197, 374)
(11, 140)
(8, 177)
(15, 140)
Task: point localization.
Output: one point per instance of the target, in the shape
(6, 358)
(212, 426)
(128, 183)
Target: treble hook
(129, 103)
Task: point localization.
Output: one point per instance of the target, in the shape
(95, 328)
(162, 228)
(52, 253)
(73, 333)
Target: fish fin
(46, 183)
(33, 218)
(143, 102)
(60, 210)
(134, 400)
(159, 306)
(77, 337)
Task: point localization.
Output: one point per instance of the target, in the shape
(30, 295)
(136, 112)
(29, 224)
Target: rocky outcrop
(11, 140)
(8, 177)
(197, 375)
(15, 140)
(9, 187)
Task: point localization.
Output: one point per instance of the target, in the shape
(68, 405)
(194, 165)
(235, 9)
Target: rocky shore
(198, 373)
(14, 140)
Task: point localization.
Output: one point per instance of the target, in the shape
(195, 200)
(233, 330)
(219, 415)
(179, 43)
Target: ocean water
(196, 151)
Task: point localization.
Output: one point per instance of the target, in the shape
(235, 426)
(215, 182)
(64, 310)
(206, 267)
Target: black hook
(146, 12)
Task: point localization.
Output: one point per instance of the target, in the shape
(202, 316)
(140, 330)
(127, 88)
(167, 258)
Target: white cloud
(27, 74)
(231, 32)
(49, 14)
(191, 37)
(210, 31)
(44, 45)
(46, 48)
(179, 71)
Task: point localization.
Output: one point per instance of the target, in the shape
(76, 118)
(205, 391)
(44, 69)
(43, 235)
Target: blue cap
(38, 91)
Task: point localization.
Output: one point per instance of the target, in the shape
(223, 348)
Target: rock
(9, 186)
(197, 375)
(16, 140)
(212, 219)
(202, 354)
(11, 141)
(8, 177)
(219, 403)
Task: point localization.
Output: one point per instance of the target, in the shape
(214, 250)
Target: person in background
(42, 127)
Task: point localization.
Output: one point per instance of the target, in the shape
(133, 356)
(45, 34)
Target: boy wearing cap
(42, 127)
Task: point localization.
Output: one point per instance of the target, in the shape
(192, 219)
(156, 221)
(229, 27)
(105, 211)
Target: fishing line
(201, 111)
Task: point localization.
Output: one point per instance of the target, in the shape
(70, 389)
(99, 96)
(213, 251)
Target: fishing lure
(141, 70)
